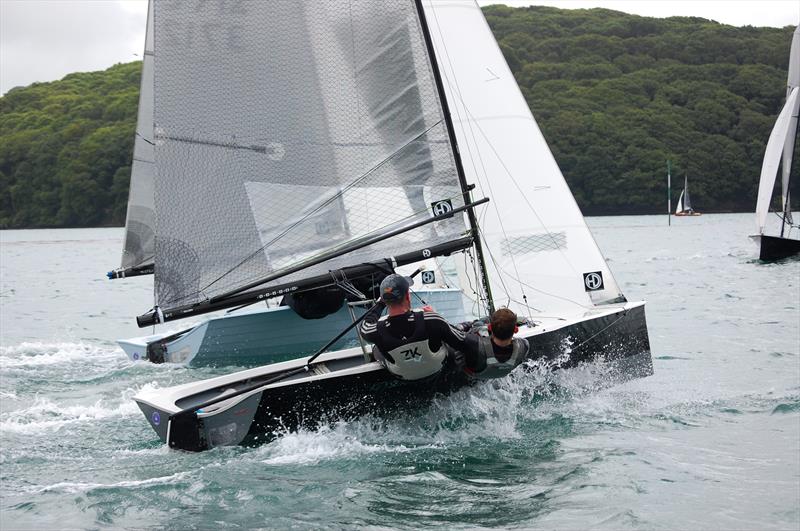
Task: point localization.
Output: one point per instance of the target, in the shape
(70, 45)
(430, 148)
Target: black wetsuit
(437, 329)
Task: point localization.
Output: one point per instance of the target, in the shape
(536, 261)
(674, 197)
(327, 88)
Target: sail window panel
(287, 129)
(534, 243)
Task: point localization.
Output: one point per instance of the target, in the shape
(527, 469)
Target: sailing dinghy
(251, 334)
(684, 206)
(779, 153)
(406, 113)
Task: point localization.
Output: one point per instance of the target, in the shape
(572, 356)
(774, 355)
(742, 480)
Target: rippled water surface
(712, 440)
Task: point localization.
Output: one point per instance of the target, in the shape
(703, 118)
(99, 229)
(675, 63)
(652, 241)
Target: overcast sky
(43, 40)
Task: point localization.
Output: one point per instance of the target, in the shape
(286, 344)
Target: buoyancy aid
(494, 367)
(409, 358)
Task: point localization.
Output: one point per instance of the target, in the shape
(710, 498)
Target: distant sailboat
(780, 148)
(684, 207)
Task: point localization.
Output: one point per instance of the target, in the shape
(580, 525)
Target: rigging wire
(470, 121)
(146, 140)
(785, 221)
(476, 305)
(457, 91)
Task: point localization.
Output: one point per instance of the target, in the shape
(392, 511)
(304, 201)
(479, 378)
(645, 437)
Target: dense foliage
(616, 95)
(65, 149)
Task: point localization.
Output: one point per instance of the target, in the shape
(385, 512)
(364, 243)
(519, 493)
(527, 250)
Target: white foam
(44, 354)
(45, 414)
(77, 487)
(488, 410)
(329, 442)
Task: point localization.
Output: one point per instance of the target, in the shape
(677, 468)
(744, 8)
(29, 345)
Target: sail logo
(428, 277)
(593, 281)
(442, 208)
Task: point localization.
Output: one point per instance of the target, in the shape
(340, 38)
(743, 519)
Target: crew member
(498, 353)
(412, 345)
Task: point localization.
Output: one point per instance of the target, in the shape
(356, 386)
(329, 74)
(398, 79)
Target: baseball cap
(395, 287)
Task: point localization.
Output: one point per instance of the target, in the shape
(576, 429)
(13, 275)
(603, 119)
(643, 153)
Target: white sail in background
(792, 82)
(679, 206)
(772, 157)
(537, 245)
(687, 202)
(139, 220)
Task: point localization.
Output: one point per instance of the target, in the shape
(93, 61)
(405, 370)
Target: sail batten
(286, 130)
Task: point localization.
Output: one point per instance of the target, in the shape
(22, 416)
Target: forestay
(139, 222)
(541, 257)
(287, 129)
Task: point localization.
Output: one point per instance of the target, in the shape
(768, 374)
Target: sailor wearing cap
(411, 344)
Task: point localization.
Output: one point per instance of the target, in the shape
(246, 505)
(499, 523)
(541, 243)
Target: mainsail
(288, 130)
(541, 257)
(138, 247)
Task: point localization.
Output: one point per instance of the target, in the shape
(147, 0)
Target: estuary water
(711, 440)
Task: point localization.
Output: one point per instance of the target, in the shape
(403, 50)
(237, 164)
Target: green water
(712, 440)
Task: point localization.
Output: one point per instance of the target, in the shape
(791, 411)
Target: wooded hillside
(65, 149)
(616, 95)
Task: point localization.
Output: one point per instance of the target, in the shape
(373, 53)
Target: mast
(669, 196)
(462, 179)
(787, 207)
